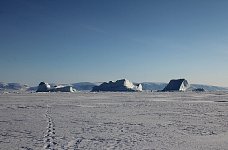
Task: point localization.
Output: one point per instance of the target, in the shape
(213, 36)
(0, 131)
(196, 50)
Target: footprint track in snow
(73, 144)
(49, 138)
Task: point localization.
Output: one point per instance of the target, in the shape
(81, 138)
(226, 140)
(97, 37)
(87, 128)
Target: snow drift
(122, 85)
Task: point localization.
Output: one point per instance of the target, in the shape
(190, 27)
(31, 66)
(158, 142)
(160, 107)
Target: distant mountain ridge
(84, 86)
(87, 86)
(154, 86)
(160, 86)
(13, 86)
(207, 87)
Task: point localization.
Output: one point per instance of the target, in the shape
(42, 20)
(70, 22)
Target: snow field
(182, 120)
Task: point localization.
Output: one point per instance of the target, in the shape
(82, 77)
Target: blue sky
(100, 40)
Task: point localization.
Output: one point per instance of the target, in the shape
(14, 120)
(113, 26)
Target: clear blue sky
(67, 41)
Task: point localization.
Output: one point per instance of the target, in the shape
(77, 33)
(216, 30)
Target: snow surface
(141, 120)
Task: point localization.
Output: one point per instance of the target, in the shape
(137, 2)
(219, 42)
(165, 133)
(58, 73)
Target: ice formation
(45, 87)
(199, 90)
(177, 85)
(122, 85)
